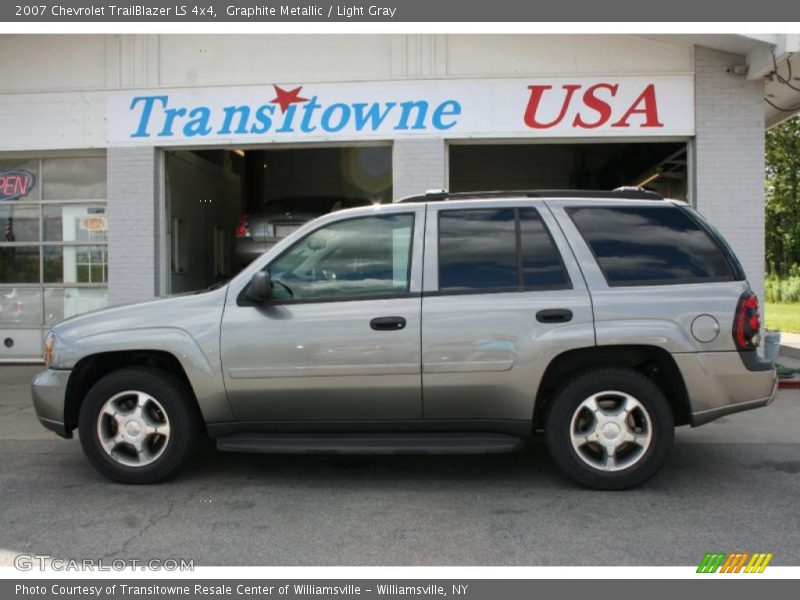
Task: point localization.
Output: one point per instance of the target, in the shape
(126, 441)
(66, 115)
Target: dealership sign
(539, 107)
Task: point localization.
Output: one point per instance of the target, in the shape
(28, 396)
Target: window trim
(520, 287)
(653, 282)
(242, 300)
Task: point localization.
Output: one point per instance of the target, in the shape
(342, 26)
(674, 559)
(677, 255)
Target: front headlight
(49, 346)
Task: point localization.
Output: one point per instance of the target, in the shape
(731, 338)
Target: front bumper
(49, 391)
(722, 383)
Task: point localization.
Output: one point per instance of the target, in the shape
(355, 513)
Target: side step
(370, 443)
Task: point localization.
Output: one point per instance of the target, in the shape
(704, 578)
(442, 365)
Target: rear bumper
(49, 391)
(722, 383)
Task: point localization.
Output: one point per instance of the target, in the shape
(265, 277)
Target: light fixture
(739, 70)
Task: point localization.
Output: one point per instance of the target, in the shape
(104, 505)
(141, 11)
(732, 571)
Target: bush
(784, 290)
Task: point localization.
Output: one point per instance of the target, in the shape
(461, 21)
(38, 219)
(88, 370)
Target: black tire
(185, 427)
(568, 399)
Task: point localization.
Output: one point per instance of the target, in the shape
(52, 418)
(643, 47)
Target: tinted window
(477, 249)
(541, 263)
(368, 256)
(649, 245)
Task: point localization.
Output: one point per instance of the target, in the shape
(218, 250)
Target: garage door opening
(660, 167)
(227, 207)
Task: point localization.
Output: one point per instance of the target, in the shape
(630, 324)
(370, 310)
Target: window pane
(18, 222)
(477, 249)
(641, 245)
(74, 178)
(15, 182)
(21, 306)
(541, 262)
(19, 264)
(62, 303)
(75, 264)
(358, 257)
(74, 223)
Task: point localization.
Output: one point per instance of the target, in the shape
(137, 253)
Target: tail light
(747, 322)
(243, 230)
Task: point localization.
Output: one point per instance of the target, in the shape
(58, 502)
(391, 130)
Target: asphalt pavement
(732, 485)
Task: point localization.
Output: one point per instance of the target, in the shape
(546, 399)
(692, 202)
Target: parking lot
(731, 485)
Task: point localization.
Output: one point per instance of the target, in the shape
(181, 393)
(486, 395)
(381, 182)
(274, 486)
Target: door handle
(387, 323)
(554, 315)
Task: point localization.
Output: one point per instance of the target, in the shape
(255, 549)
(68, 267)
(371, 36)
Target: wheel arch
(90, 369)
(655, 363)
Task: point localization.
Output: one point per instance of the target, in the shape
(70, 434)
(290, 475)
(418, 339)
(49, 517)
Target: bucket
(772, 343)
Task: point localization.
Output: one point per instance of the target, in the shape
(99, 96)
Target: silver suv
(445, 323)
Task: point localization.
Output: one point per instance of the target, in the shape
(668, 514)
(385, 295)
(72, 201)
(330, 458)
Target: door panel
(321, 361)
(340, 337)
(489, 367)
(511, 299)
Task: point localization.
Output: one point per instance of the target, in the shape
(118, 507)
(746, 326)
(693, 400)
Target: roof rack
(622, 193)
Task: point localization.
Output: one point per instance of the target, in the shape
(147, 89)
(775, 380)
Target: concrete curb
(789, 351)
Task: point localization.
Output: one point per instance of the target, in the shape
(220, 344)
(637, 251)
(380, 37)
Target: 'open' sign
(15, 184)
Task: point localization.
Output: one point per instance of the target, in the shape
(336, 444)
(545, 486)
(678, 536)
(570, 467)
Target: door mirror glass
(260, 287)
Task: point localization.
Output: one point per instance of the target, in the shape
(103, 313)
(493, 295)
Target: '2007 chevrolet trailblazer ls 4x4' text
(448, 323)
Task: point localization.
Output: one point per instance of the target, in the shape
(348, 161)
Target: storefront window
(74, 178)
(19, 222)
(64, 302)
(19, 264)
(21, 307)
(53, 235)
(74, 223)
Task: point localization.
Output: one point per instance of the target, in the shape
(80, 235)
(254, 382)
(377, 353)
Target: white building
(126, 162)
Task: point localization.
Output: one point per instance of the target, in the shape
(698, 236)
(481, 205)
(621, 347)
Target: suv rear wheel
(138, 425)
(609, 429)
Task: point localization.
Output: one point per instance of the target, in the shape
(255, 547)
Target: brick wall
(729, 157)
(133, 195)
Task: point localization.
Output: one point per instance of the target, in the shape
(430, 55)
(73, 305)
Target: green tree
(782, 191)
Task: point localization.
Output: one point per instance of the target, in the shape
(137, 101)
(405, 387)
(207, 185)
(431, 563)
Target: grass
(783, 317)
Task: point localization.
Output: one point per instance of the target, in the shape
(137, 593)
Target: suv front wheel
(138, 425)
(609, 429)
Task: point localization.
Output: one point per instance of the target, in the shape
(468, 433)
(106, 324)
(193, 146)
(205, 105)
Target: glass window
(640, 245)
(62, 303)
(75, 264)
(74, 178)
(19, 264)
(19, 178)
(74, 223)
(21, 306)
(541, 262)
(19, 222)
(367, 256)
(477, 249)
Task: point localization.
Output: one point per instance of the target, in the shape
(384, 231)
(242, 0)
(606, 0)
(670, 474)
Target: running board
(370, 443)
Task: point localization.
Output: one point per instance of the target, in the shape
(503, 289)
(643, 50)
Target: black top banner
(441, 11)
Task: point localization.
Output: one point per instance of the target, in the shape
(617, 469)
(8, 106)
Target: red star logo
(284, 98)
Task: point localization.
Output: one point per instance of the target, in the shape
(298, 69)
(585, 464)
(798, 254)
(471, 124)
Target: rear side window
(643, 245)
(477, 249)
(504, 249)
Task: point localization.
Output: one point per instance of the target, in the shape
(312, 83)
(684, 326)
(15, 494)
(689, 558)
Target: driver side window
(366, 256)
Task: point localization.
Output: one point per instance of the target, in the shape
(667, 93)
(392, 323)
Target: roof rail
(623, 193)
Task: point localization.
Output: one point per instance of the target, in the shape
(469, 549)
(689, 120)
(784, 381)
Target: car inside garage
(225, 207)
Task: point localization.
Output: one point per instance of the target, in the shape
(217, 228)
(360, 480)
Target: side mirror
(260, 287)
